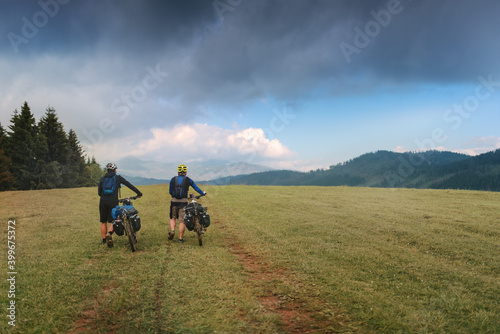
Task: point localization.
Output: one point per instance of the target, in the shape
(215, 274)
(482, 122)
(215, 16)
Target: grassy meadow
(274, 260)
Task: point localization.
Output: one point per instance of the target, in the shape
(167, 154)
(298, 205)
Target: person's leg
(103, 219)
(173, 215)
(182, 225)
(111, 228)
(109, 239)
(182, 228)
(103, 230)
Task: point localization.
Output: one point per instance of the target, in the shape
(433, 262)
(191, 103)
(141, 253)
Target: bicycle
(196, 217)
(130, 219)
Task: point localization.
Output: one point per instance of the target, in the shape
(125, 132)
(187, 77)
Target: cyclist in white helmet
(108, 191)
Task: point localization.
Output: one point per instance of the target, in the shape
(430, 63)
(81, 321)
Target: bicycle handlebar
(196, 197)
(128, 198)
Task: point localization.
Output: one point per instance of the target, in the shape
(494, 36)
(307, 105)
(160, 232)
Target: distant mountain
(144, 181)
(479, 173)
(150, 172)
(431, 169)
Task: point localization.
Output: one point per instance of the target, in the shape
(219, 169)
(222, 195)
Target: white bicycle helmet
(111, 166)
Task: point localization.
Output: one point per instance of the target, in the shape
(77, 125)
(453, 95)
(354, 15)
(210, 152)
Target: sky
(289, 84)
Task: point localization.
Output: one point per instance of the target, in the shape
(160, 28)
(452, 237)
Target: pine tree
(19, 147)
(76, 174)
(6, 177)
(26, 149)
(53, 130)
(2, 134)
(56, 157)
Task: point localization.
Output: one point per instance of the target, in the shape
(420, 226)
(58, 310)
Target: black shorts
(105, 208)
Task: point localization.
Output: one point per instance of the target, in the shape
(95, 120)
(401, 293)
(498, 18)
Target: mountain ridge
(386, 169)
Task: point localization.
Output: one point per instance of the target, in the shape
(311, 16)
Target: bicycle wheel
(198, 229)
(130, 233)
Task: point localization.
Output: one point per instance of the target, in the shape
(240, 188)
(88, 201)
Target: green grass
(276, 259)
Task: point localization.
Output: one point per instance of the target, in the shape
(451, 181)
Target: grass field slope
(274, 260)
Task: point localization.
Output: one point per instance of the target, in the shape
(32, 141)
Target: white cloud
(400, 149)
(492, 142)
(470, 151)
(196, 142)
(254, 141)
(481, 145)
(301, 165)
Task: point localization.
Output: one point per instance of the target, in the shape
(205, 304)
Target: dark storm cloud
(438, 41)
(288, 46)
(291, 49)
(129, 27)
(231, 51)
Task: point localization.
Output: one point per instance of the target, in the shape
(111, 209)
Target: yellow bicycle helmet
(182, 169)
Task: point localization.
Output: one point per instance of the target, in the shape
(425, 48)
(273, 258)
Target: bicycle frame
(129, 229)
(196, 209)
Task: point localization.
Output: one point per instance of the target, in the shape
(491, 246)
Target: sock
(104, 240)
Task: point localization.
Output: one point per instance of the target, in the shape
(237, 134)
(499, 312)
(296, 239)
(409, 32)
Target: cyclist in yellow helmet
(179, 188)
(182, 169)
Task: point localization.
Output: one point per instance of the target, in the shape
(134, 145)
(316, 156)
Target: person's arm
(130, 186)
(195, 187)
(171, 188)
(99, 188)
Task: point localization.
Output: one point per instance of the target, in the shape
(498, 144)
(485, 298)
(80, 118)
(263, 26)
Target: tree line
(42, 155)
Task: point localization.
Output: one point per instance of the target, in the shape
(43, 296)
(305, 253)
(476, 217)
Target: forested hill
(432, 169)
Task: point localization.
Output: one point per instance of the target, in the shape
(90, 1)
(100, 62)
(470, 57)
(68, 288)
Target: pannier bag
(119, 210)
(192, 206)
(136, 222)
(118, 227)
(205, 219)
(189, 221)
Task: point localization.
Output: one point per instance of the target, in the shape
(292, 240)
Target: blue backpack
(109, 185)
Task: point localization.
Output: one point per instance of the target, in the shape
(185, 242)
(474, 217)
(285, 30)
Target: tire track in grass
(88, 318)
(293, 318)
(293, 310)
(87, 321)
(159, 285)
